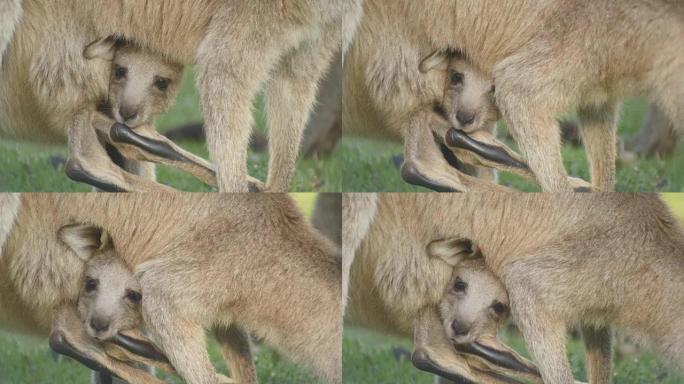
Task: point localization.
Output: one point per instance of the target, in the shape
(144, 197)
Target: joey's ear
(85, 240)
(436, 60)
(453, 250)
(101, 49)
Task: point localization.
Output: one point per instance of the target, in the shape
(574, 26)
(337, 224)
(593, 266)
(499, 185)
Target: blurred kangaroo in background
(236, 47)
(438, 292)
(290, 271)
(553, 253)
(618, 50)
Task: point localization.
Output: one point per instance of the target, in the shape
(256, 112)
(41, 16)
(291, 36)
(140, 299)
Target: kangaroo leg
(182, 340)
(544, 335)
(289, 101)
(529, 104)
(69, 337)
(539, 139)
(137, 167)
(599, 134)
(236, 349)
(436, 354)
(146, 144)
(598, 343)
(89, 162)
(424, 164)
(229, 81)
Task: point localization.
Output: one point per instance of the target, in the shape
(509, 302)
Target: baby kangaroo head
(142, 84)
(468, 103)
(109, 294)
(475, 302)
(109, 300)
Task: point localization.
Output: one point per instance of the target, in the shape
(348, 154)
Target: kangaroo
(413, 92)
(196, 239)
(525, 46)
(553, 253)
(236, 48)
(142, 86)
(420, 289)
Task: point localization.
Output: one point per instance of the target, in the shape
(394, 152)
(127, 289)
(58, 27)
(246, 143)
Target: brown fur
(547, 57)
(245, 262)
(109, 298)
(28, 95)
(571, 248)
(406, 289)
(386, 96)
(10, 13)
(237, 47)
(402, 91)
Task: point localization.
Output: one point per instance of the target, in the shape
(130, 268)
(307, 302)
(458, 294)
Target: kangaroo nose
(98, 324)
(465, 118)
(459, 329)
(128, 113)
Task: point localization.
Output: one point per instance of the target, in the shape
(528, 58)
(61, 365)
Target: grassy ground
(357, 165)
(32, 167)
(29, 361)
(25, 360)
(370, 166)
(373, 358)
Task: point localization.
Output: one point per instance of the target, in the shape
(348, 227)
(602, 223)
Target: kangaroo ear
(101, 49)
(85, 240)
(454, 250)
(436, 60)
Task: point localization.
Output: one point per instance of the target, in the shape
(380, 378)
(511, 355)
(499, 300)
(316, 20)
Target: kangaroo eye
(120, 72)
(162, 83)
(460, 285)
(456, 77)
(90, 285)
(133, 296)
(493, 89)
(499, 308)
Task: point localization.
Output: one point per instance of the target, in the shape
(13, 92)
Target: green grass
(357, 165)
(28, 360)
(370, 358)
(369, 164)
(28, 167)
(25, 360)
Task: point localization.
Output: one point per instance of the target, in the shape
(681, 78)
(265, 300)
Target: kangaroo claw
(412, 175)
(76, 172)
(59, 344)
(140, 347)
(459, 139)
(498, 357)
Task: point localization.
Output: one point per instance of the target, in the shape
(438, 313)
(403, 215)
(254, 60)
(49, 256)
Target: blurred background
(332, 163)
(372, 165)
(371, 357)
(27, 360)
(31, 167)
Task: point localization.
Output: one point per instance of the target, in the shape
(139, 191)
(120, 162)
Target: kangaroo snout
(465, 117)
(99, 324)
(128, 112)
(459, 329)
